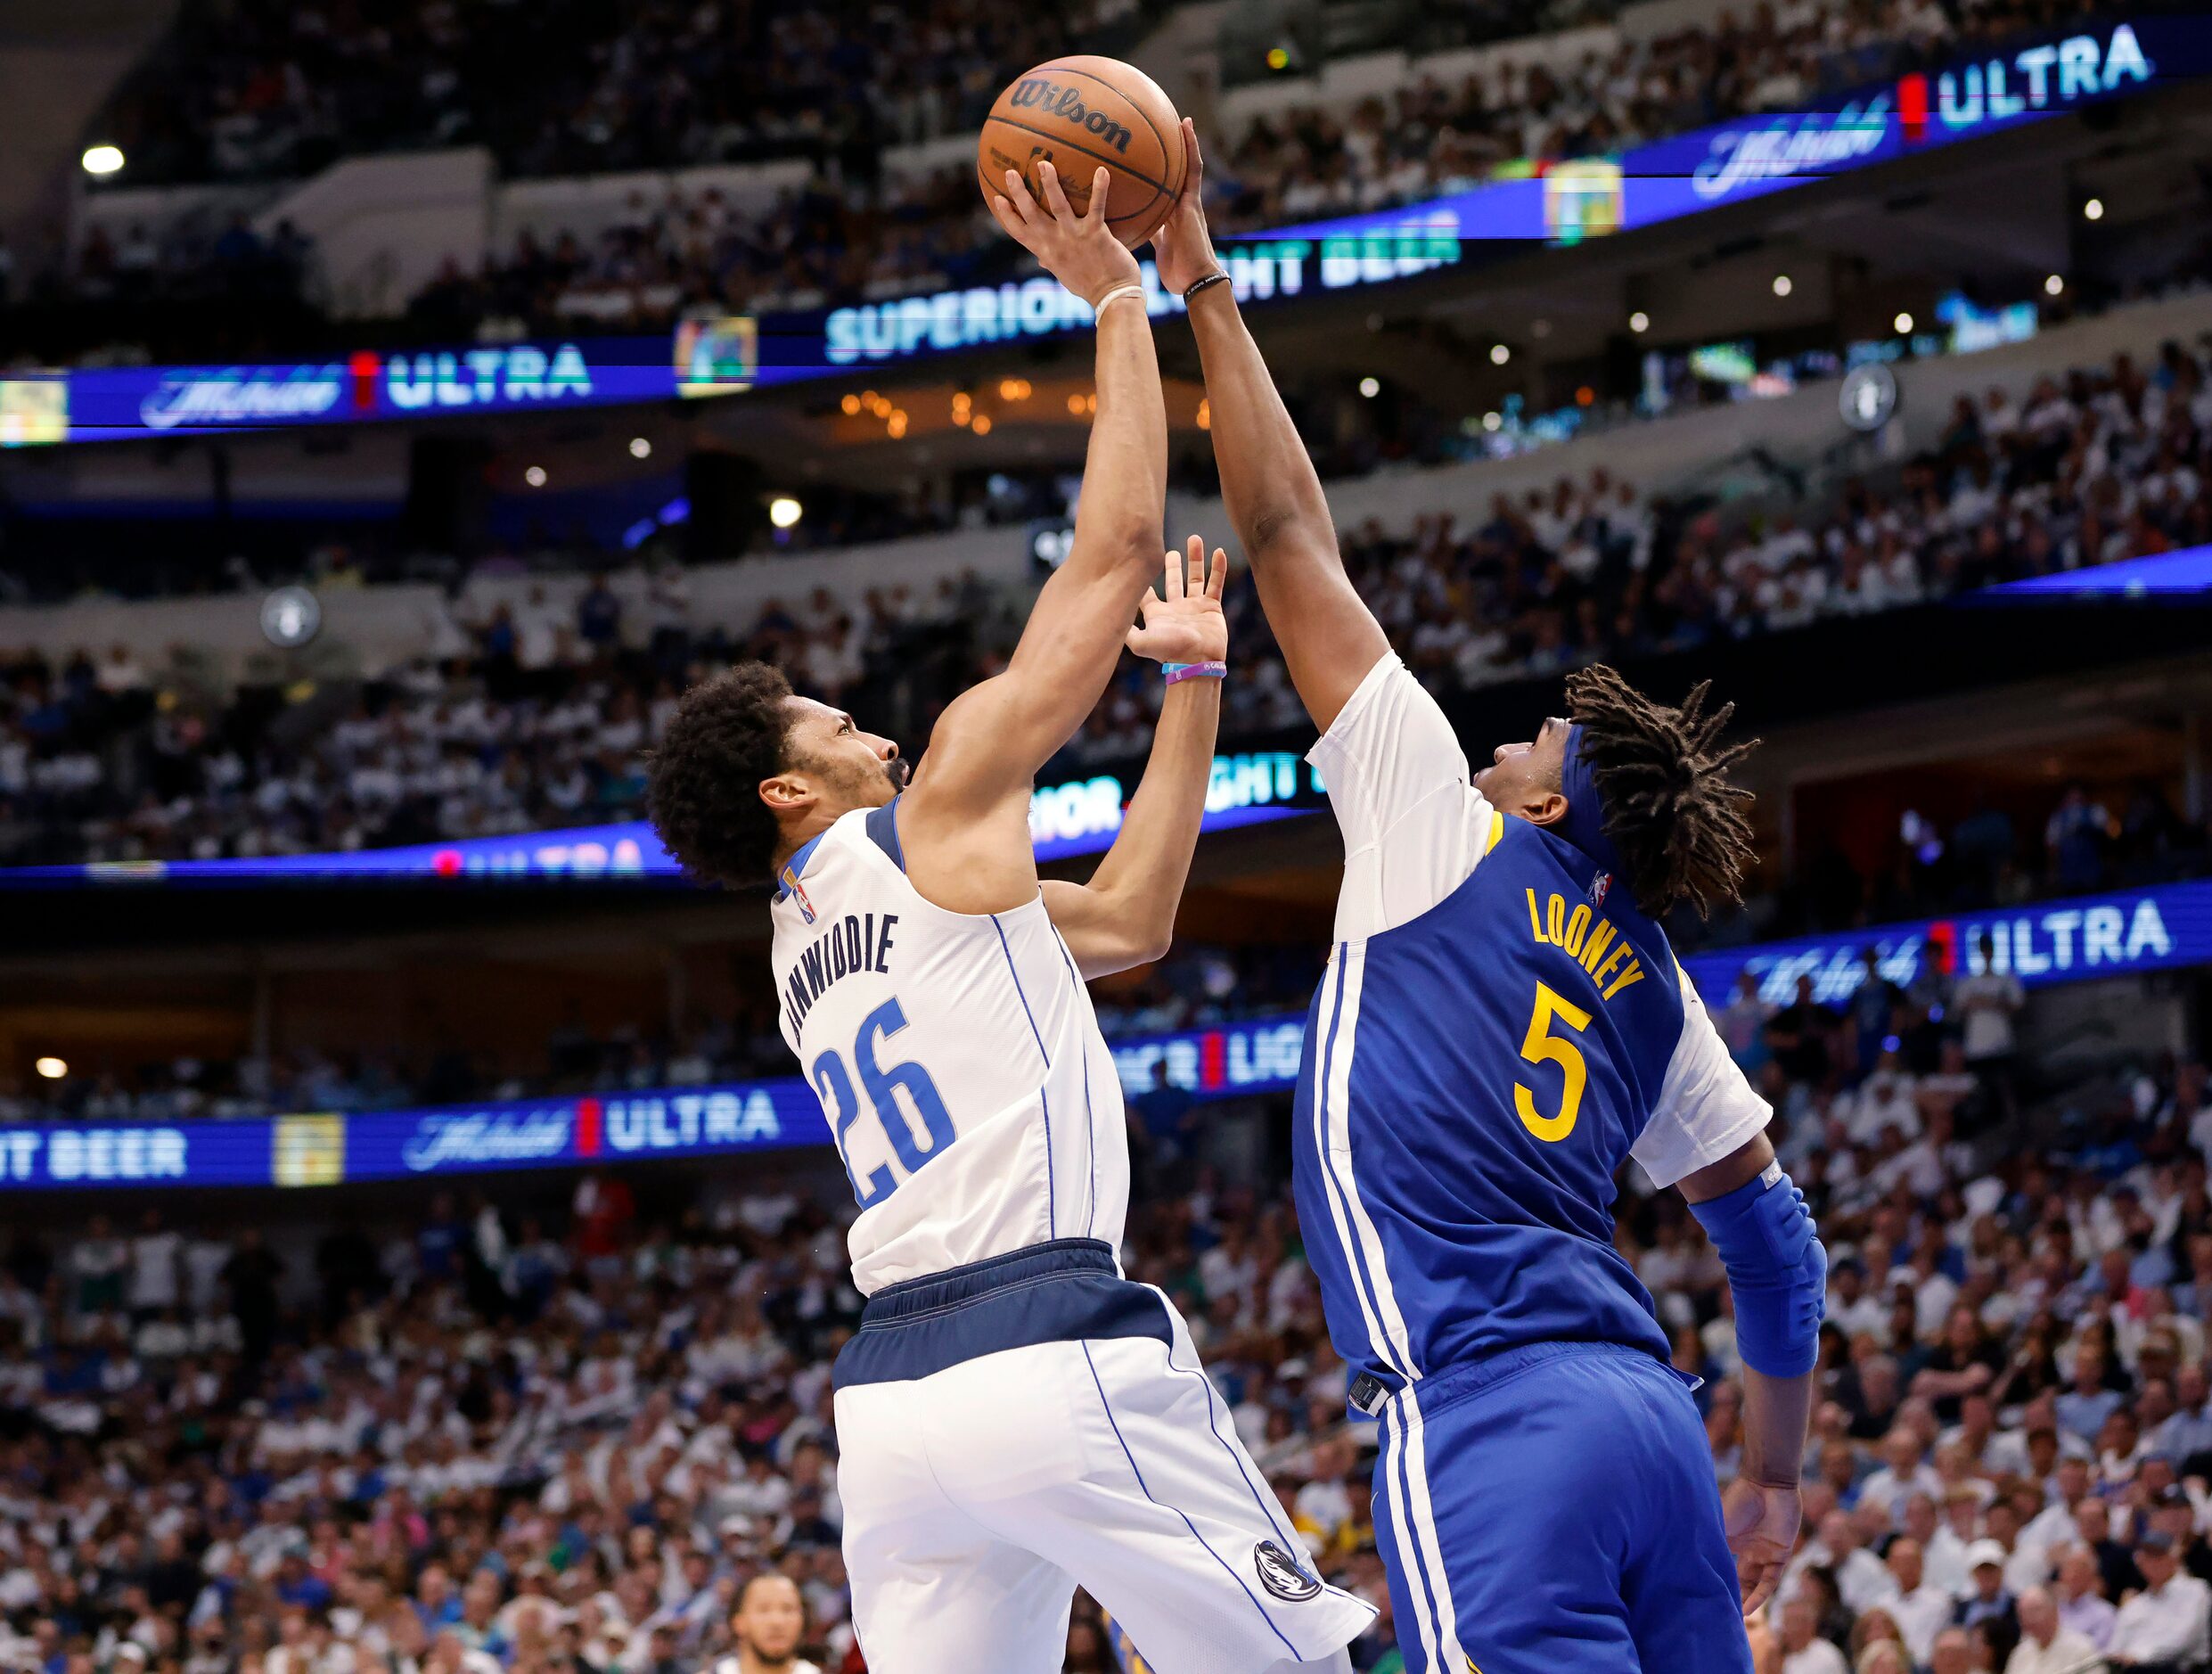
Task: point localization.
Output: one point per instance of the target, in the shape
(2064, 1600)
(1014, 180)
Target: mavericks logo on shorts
(1280, 1574)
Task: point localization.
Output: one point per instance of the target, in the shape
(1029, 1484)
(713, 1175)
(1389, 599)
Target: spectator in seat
(1799, 1037)
(2048, 1646)
(1803, 1649)
(1920, 1609)
(2083, 1607)
(1989, 1606)
(2162, 1630)
(599, 618)
(2075, 837)
(768, 1624)
(1990, 1001)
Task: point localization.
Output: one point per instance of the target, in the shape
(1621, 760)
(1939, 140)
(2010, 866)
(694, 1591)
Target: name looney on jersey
(1590, 941)
(859, 941)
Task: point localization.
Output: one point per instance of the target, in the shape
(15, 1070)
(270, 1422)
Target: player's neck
(795, 837)
(751, 1662)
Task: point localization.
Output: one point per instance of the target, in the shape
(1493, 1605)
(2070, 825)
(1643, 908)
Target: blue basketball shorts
(1552, 1510)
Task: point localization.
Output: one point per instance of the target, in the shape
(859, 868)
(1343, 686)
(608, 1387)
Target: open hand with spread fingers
(1188, 623)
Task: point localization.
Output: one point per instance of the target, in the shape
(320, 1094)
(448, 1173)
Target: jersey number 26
(835, 1084)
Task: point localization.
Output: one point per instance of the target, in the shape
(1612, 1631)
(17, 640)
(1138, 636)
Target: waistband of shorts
(1068, 1290)
(1468, 1378)
(953, 1286)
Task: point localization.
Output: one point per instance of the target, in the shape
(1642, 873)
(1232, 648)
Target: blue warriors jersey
(1499, 1030)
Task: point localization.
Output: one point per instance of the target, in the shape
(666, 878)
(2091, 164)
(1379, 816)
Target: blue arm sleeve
(1777, 1271)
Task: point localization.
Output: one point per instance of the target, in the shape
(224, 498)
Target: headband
(1583, 823)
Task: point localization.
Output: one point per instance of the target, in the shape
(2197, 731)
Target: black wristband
(1214, 278)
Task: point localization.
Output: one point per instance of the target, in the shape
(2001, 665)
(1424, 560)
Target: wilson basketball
(1080, 112)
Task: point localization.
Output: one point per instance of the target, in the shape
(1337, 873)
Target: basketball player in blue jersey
(1502, 1026)
(1014, 1416)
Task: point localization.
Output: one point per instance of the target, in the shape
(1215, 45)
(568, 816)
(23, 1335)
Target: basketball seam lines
(1159, 189)
(1064, 68)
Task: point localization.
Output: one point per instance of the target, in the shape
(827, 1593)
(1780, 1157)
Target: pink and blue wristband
(1178, 672)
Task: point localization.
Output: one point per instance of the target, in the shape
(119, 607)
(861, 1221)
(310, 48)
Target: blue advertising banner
(2123, 934)
(108, 403)
(1562, 202)
(2162, 574)
(136, 1153)
(628, 1127)
(2070, 940)
(332, 1148)
(1079, 816)
(1567, 202)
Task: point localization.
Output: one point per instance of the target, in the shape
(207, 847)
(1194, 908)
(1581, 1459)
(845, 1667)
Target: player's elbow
(1150, 944)
(1282, 527)
(1136, 540)
(1127, 945)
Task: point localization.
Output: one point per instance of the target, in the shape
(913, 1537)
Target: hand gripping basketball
(1079, 251)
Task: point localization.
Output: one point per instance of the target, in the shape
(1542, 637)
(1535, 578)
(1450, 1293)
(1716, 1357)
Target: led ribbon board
(334, 1148)
(1079, 816)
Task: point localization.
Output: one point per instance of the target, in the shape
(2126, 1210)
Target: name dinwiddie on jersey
(859, 941)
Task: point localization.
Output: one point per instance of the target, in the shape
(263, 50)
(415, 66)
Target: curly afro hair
(729, 733)
(1683, 831)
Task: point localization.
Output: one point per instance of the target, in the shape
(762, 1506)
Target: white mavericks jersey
(970, 1092)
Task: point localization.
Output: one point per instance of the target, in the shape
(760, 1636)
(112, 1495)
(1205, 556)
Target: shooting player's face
(841, 767)
(1523, 779)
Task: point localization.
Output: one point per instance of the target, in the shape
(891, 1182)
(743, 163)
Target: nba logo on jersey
(1599, 885)
(798, 893)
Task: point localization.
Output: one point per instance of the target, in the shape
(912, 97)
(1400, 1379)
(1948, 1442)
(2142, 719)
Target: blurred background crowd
(538, 707)
(517, 1431)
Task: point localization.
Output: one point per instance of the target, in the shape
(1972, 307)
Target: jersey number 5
(835, 1085)
(1541, 1046)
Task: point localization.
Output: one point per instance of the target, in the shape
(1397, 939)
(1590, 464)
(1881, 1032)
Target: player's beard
(851, 786)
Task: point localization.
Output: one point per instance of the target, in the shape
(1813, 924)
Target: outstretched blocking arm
(1329, 639)
(1126, 914)
(989, 742)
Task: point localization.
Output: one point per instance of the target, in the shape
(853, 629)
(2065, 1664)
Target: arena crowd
(264, 90)
(535, 713)
(573, 1442)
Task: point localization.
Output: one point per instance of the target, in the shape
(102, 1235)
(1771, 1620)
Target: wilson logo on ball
(1033, 93)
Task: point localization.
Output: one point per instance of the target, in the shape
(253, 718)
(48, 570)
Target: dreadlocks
(1682, 828)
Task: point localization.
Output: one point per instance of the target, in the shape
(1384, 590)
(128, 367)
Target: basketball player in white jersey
(1014, 1416)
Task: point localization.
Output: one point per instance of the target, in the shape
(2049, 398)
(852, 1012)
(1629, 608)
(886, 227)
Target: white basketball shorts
(1010, 1429)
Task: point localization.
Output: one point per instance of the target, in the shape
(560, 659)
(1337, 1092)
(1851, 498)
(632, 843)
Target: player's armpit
(1707, 1115)
(1414, 827)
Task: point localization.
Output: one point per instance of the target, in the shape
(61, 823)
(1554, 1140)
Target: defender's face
(845, 767)
(1521, 777)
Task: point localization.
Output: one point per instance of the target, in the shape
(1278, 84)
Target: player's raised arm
(989, 744)
(1329, 639)
(1126, 914)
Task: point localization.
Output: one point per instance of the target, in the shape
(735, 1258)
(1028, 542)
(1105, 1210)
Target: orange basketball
(1081, 112)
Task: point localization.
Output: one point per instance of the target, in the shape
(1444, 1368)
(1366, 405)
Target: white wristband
(1132, 289)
